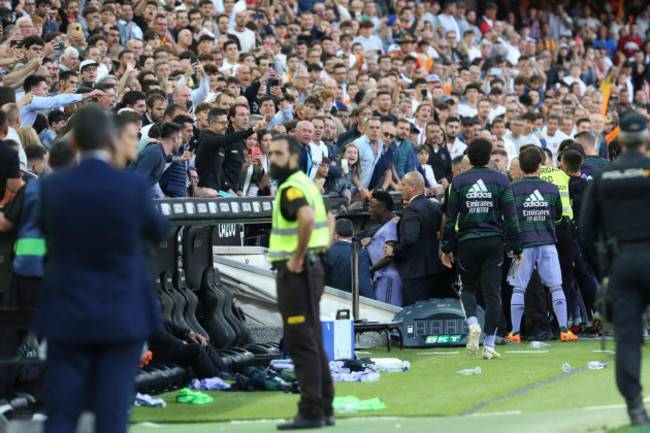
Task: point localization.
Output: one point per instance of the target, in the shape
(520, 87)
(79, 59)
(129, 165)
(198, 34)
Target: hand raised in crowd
(198, 67)
(130, 67)
(17, 36)
(35, 63)
(277, 92)
(260, 125)
(25, 100)
(50, 48)
(186, 156)
(94, 94)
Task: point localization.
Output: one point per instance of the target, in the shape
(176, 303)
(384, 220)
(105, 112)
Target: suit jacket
(96, 221)
(339, 269)
(416, 253)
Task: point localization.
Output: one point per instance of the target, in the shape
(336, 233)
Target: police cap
(634, 129)
(633, 122)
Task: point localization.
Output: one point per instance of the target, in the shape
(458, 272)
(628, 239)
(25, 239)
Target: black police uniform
(616, 204)
(305, 339)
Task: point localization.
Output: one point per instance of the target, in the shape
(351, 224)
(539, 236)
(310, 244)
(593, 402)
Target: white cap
(87, 63)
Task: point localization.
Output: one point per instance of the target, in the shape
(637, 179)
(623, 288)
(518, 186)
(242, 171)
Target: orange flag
(612, 135)
(606, 93)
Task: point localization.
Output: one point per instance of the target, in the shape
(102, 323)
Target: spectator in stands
(151, 161)
(57, 120)
(37, 84)
(10, 180)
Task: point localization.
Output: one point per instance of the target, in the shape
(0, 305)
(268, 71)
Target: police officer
(616, 205)
(302, 229)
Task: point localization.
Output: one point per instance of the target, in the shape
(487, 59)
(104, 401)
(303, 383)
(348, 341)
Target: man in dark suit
(339, 269)
(98, 305)
(416, 253)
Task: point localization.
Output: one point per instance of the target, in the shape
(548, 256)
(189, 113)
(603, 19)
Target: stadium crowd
(373, 90)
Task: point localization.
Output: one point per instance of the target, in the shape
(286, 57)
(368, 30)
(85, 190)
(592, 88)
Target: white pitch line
(256, 421)
(607, 406)
(526, 351)
(437, 353)
(511, 412)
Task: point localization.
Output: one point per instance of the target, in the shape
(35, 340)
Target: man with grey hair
(69, 59)
(304, 133)
(515, 170)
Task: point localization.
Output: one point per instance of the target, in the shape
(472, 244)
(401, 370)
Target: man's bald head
(412, 185)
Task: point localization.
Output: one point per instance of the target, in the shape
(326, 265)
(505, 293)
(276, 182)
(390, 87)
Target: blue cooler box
(338, 339)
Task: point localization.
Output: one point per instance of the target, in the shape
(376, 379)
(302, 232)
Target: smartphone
(255, 151)
(272, 65)
(77, 28)
(189, 105)
(344, 164)
(391, 20)
(496, 71)
(13, 44)
(60, 46)
(423, 92)
(272, 82)
(194, 60)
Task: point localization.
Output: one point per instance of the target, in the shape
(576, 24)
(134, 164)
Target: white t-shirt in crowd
(553, 143)
(246, 39)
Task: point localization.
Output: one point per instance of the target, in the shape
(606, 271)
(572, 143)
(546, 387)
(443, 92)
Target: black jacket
(211, 154)
(416, 254)
(234, 158)
(440, 162)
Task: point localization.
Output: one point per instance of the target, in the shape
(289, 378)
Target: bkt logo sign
(443, 339)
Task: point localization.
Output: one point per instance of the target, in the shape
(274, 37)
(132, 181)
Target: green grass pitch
(508, 396)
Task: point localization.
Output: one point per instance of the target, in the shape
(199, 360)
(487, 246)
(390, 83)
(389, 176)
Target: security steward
(302, 230)
(615, 210)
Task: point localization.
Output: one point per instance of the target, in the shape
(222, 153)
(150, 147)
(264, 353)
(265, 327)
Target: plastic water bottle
(596, 365)
(566, 368)
(348, 408)
(370, 377)
(391, 365)
(539, 345)
(469, 371)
